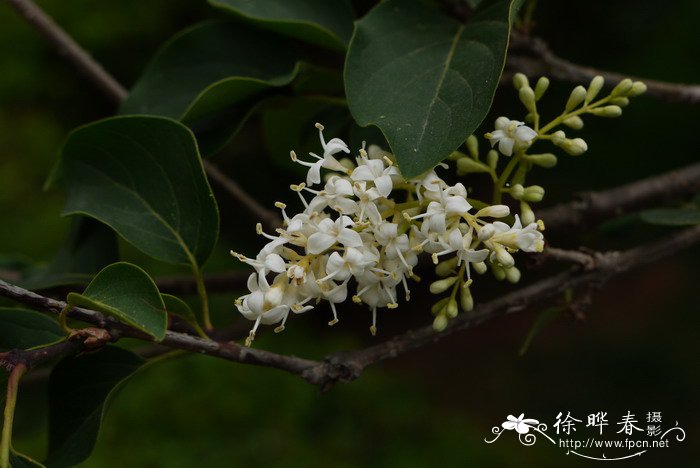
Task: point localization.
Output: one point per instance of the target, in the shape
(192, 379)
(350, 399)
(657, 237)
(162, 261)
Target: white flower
(521, 425)
(510, 134)
(334, 146)
(330, 232)
(336, 195)
(374, 170)
(527, 239)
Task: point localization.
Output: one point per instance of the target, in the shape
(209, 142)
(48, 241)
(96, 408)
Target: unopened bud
(520, 80)
(620, 101)
(439, 305)
(466, 301)
(440, 286)
(594, 88)
(504, 258)
(446, 267)
(512, 275)
(533, 194)
(494, 211)
(480, 267)
(607, 111)
(622, 88)
(456, 156)
(575, 98)
(473, 146)
(527, 97)
(498, 272)
(541, 87)
(517, 191)
(558, 137)
(452, 309)
(467, 165)
(492, 159)
(543, 160)
(530, 118)
(440, 323)
(527, 216)
(574, 122)
(486, 232)
(575, 147)
(638, 88)
(347, 163)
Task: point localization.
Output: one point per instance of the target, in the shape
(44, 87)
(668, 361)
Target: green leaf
(671, 216)
(126, 292)
(425, 79)
(24, 329)
(90, 246)
(327, 23)
(143, 177)
(179, 308)
(19, 460)
(80, 389)
(210, 75)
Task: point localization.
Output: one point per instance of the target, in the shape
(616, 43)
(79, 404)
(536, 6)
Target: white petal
(319, 242)
(525, 133)
(362, 173)
(314, 175)
(383, 185)
(275, 263)
(505, 146)
(502, 123)
(349, 238)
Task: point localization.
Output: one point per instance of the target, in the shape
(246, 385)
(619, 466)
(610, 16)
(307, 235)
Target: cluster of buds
(368, 225)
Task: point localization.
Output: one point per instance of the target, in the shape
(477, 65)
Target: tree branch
(540, 60)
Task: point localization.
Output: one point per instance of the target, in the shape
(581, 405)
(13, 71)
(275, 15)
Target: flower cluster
(368, 224)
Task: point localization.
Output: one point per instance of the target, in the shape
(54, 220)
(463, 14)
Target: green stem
(203, 298)
(566, 115)
(12, 385)
(498, 186)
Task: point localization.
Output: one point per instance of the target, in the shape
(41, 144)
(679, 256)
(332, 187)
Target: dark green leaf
(327, 23)
(18, 460)
(90, 246)
(543, 319)
(24, 329)
(672, 217)
(80, 389)
(127, 293)
(143, 177)
(425, 79)
(179, 308)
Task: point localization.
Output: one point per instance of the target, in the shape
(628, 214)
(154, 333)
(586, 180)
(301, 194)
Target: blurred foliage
(636, 352)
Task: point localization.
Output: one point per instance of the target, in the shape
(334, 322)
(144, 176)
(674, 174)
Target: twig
(344, 367)
(544, 62)
(578, 257)
(592, 207)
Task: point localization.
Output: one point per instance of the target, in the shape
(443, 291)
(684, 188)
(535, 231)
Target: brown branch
(592, 207)
(346, 366)
(540, 60)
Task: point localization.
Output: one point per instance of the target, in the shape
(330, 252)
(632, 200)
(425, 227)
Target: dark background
(636, 350)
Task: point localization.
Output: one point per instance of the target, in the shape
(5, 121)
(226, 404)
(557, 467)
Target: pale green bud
(465, 299)
(512, 275)
(494, 211)
(527, 97)
(498, 272)
(594, 88)
(533, 193)
(607, 111)
(504, 258)
(575, 98)
(574, 122)
(347, 163)
(456, 156)
(439, 306)
(558, 137)
(473, 146)
(492, 159)
(467, 165)
(575, 147)
(543, 160)
(480, 267)
(446, 267)
(529, 118)
(620, 101)
(520, 80)
(541, 87)
(638, 88)
(440, 286)
(622, 88)
(527, 216)
(452, 308)
(517, 191)
(440, 323)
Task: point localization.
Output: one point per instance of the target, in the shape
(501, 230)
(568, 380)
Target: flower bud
(347, 163)
(473, 146)
(492, 159)
(440, 286)
(533, 194)
(494, 211)
(594, 88)
(607, 111)
(575, 147)
(512, 275)
(527, 97)
(504, 258)
(543, 160)
(446, 267)
(541, 87)
(480, 267)
(452, 308)
(520, 80)
(620, 101)
(558, 137)
(530, 118)
(517, 191)
(440, 323)
(622, 88)
(466, 301)
(527, 216)
(467, 165)
(486, 232)
(439, 305)
(498, 272)
(456, 156)
(638, 88)
(574, 122)
(575, 98)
